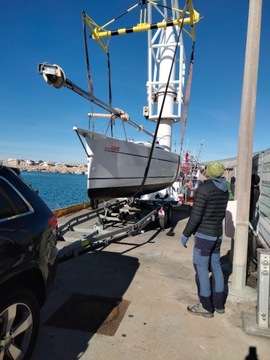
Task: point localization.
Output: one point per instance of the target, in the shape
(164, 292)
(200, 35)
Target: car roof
(11, 168)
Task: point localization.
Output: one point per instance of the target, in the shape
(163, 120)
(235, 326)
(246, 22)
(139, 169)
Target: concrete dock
(128, 301)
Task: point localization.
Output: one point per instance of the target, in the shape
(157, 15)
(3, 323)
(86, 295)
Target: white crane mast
(166, 73)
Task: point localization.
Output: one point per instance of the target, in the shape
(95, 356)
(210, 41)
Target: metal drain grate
(89, 313)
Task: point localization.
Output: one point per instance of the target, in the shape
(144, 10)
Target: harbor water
(56, 189)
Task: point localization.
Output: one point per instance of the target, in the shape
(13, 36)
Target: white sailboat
(121, 168)
(116, 167)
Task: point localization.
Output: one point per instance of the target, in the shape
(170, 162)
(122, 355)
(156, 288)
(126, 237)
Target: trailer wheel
(163, 220)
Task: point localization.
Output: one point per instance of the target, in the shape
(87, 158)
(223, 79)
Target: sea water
(56, 189)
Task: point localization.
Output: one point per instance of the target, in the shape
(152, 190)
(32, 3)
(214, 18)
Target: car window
(11, 203)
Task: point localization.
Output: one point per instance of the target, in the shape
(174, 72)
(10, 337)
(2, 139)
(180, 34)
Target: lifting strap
(187, 98)
(89, 78)
(110, 89)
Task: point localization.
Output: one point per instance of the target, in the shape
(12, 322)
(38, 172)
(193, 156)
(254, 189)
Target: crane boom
(55, 76)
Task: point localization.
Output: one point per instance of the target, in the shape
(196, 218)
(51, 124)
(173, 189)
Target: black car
(28, 262)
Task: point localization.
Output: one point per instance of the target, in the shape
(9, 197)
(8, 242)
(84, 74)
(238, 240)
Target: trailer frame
(116, 220)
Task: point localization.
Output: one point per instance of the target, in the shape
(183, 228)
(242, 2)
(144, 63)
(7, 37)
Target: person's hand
(184, 240)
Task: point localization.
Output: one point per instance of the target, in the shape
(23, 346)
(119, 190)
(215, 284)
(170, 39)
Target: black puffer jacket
(209, 208)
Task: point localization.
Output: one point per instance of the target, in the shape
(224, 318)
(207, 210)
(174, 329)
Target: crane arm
(55, 76)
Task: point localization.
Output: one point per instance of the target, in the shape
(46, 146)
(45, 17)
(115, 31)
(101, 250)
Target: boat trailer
(115, 220)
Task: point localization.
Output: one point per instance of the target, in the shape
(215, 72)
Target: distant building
(11, 162)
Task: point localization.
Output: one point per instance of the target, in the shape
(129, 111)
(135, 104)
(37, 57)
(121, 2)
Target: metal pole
(245, 145)
(262, 318)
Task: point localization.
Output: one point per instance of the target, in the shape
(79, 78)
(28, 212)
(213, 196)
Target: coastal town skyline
(48, 166)
(36, 162)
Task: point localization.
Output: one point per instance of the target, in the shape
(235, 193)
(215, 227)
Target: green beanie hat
(214, 169)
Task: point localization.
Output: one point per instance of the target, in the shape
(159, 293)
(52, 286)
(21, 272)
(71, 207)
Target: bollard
(263, 288)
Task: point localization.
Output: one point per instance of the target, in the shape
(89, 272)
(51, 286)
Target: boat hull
(116, 168)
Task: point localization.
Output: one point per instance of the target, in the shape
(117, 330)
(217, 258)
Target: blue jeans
(206, 259)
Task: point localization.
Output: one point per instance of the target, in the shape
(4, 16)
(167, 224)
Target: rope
(109, 78)
(89, 78)
(124, 128)
(124, 13)
(110, 89)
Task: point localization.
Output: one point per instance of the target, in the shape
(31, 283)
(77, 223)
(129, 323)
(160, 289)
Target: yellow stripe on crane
(98, 34)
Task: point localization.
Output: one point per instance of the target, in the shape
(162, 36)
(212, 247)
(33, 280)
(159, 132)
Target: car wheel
(19, 323)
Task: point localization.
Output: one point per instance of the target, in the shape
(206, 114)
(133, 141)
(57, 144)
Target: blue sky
(37, 120)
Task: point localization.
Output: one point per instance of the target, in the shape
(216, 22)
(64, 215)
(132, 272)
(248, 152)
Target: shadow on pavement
(226, 265)
(88, 297)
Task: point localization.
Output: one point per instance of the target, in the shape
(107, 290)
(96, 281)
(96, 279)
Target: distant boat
(116, 167)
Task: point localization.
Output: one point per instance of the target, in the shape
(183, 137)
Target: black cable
(89, 78)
